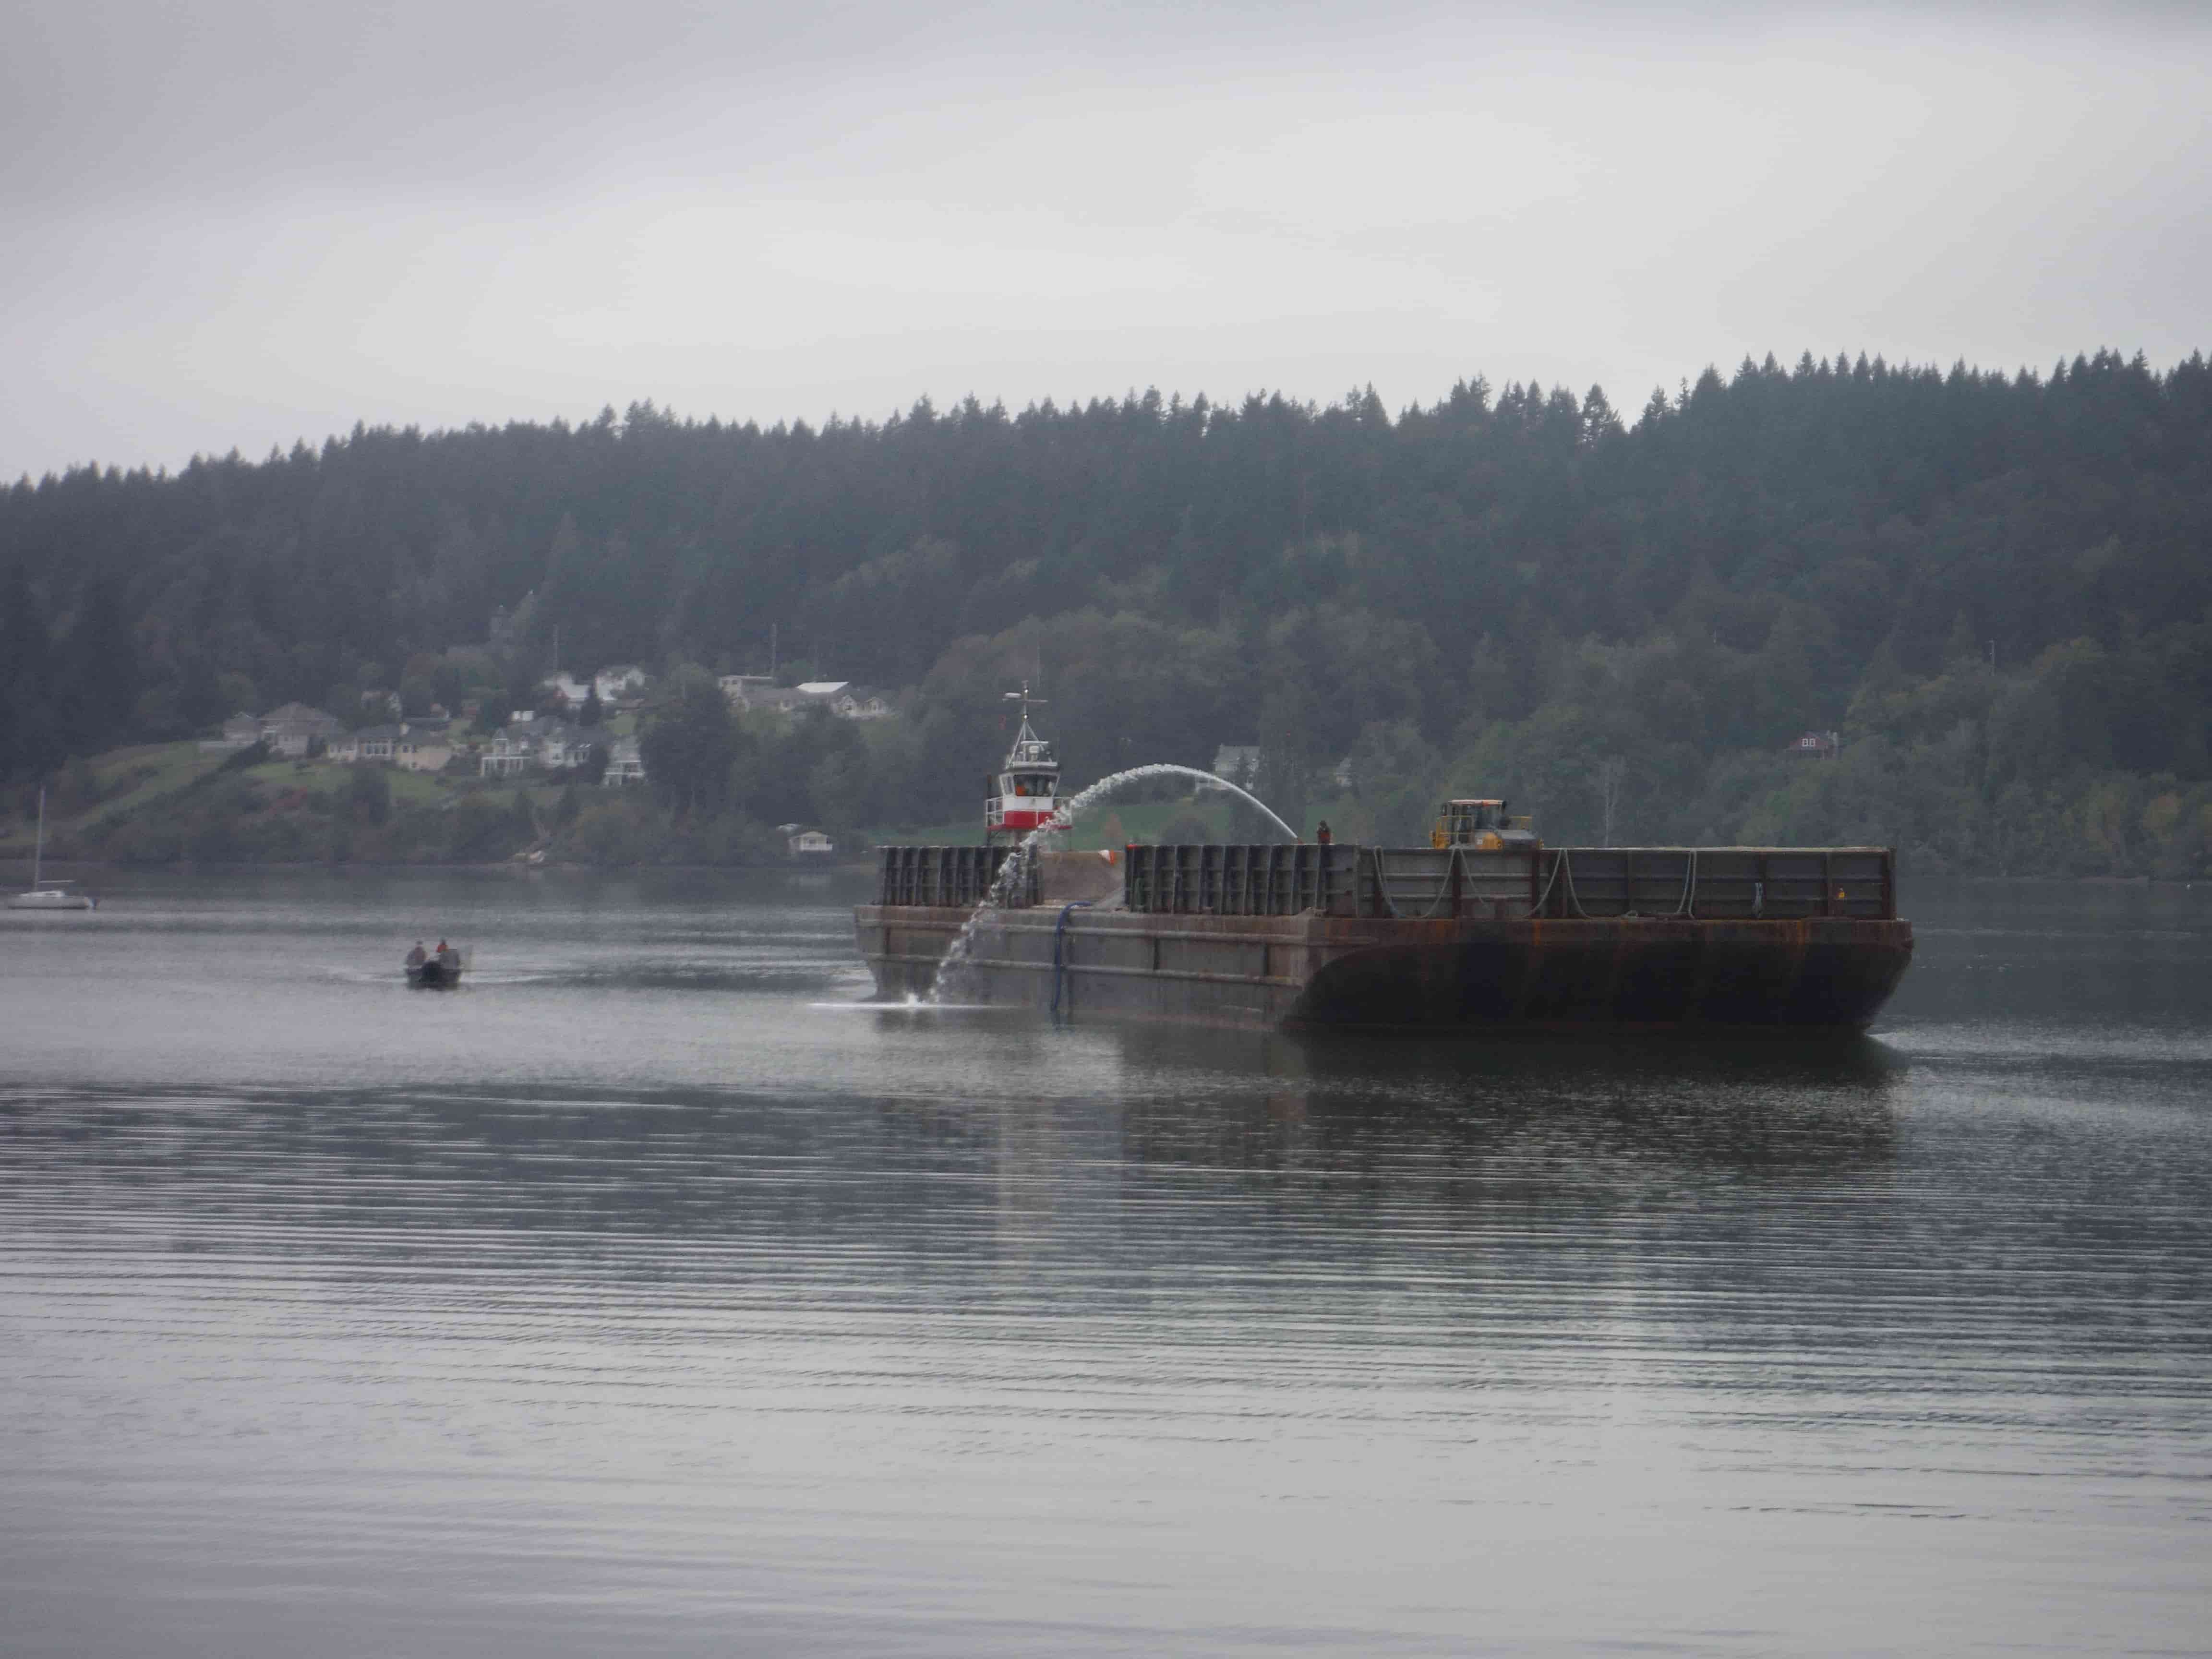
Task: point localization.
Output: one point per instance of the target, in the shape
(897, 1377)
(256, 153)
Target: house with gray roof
(293, 728)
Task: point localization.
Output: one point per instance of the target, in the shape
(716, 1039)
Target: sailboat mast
(39, 847)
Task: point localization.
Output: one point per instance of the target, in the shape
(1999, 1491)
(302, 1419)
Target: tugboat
(1024, 793)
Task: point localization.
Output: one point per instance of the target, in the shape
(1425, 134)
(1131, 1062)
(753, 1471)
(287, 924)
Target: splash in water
(1010, 875)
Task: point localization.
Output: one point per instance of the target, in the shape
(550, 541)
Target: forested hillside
(1998, 589)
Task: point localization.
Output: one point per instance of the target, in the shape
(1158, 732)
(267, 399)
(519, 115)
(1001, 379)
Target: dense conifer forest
(1996, 589)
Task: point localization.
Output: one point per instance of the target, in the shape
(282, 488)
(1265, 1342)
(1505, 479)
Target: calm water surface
(647, 1295)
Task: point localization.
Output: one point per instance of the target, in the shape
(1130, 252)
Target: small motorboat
(52, 895)
(438, 970)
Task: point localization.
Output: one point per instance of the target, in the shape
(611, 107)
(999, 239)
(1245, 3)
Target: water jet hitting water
(1010, 873)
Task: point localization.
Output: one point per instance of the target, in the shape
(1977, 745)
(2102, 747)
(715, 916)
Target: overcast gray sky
(236, 223)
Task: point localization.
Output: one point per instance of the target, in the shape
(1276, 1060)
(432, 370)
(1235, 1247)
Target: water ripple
(595, 1311)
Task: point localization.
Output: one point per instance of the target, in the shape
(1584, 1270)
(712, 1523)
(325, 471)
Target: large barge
(1486, 927)
(1735, 937)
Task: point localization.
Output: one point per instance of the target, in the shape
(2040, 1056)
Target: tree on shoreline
(690, 742)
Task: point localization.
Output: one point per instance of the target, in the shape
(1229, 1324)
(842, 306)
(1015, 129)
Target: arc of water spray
(1078, 802)
(964, 943)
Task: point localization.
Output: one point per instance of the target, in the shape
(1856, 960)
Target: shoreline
(853, 865)
(188, 867)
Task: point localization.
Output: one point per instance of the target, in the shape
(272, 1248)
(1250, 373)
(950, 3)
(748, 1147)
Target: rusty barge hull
(1327, 970)
(1318, 936)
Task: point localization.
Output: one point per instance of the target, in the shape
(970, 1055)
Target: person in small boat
(417, 957)
(448, 958)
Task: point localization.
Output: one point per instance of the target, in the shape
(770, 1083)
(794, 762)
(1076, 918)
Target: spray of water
(1009, 878)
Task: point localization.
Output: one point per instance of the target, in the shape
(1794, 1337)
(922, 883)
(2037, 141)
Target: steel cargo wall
(1715, 884)
(1429, 882)
(1414, 883)
(956, 878)
(1237, 879)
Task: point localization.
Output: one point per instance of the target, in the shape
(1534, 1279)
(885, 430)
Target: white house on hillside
(513, 750)
(622, 683)
(293, 728)
(541, 745)
(372, 743)
(564, 747)
(411, 748)
(425, 750)
(754, 691)
(857, 702)
(842, 698)
(625, 764)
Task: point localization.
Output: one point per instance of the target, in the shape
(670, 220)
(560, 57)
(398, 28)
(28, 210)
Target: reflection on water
(1401, 1110)
(647, 1295)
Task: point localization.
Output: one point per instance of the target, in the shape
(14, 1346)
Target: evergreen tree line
(1995, 588)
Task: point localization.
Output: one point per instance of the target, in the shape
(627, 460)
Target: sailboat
(56, 896)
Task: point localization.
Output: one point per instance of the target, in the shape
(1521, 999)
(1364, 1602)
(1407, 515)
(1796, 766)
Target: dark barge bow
(1456, 937)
